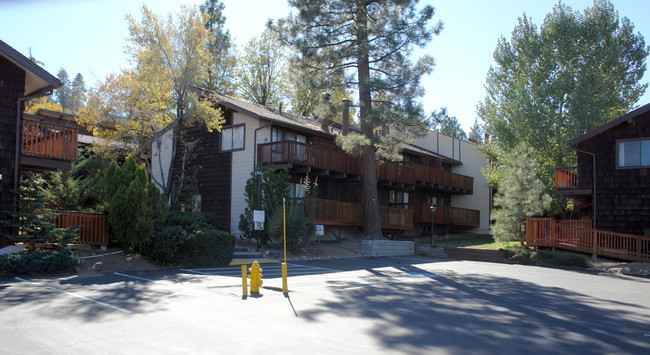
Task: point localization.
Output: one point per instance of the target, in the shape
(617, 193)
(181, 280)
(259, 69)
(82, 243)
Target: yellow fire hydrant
(256, 277)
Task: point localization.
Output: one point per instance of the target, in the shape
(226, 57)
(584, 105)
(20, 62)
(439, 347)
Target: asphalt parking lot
(407, 305)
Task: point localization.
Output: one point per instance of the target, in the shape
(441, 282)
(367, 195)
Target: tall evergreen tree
(63, 94)
(369, 43)
(222, 68)
(77, 93)
(476, 132)
(522, 194)
(448, 125)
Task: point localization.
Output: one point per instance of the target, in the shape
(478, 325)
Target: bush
(165, 245)
(39, 262)
(547, 257)
(188, 240)
(299, 231)
(207, 247)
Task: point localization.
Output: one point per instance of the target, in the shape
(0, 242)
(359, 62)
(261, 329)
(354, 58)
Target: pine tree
(522, 194)
(369, 44)
(35, 222)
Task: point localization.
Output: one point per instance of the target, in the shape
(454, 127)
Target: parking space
(360, 305)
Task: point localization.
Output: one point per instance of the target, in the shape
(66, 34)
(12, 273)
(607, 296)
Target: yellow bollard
(285, 288)
(256, 277)
(244, 281)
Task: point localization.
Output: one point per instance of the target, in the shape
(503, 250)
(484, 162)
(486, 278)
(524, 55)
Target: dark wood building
(27, 143)
(612, 178)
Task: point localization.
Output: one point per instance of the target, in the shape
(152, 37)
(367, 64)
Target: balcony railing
(338, 213)
(49, 141)
(566, 178)
(448, 215)
(289, 152)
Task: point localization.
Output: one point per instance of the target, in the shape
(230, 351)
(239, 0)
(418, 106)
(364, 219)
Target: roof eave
(37, 79)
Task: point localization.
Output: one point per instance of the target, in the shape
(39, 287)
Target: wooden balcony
(48, 145)
(337, 213)
(567, 182)
(294, 154)
(453, 216)
(566, 178)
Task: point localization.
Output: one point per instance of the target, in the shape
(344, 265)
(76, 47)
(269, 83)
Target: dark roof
(611, 124)
(261, 112)
(37, 80)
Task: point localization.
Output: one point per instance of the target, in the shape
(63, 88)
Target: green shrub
(547, 257)
(207, 247)
(39, 262)
(165, 245)
(299, 230)
(185, 219)
(188, 240)
(136, 206)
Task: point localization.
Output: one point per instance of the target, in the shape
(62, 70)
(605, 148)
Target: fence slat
(578, 235)
(94, 226)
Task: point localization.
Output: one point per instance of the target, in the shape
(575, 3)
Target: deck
(338, 213)
(48, 145)
(336, 162)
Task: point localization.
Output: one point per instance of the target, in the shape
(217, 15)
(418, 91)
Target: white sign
(259, 226)
(320, 229)
(258, 216)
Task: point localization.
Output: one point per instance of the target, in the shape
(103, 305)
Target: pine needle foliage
(522, 194)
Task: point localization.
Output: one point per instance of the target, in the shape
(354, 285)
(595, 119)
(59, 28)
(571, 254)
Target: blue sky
(87, 37)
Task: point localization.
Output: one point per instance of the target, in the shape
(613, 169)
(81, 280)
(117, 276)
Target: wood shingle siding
(12, 84)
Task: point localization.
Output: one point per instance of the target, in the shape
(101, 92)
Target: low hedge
(545, 257)
(39, 262)
(187, 240)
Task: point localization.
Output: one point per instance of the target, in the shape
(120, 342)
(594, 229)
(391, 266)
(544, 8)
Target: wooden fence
(579, 236)
(94, 226)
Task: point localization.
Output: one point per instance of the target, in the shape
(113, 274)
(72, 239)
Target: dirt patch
(95, 260)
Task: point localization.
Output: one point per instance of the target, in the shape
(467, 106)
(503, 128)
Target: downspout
(255, 144)
(593, 192)
(19, 129)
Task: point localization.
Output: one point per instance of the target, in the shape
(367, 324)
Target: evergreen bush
(186, 239)
(135, 204)
(39, 262)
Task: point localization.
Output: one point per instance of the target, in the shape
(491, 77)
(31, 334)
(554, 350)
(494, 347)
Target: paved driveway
(359, 306)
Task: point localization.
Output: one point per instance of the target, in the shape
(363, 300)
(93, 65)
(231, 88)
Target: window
(297, 190)
(634, 153)
(232, 138)
(279, 135)
(399, 198)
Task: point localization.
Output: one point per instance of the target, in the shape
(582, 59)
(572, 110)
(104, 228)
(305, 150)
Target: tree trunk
(371, 215)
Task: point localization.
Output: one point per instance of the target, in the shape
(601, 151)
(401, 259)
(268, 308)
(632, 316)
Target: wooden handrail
(49, 140)
(290, 152)
(577, 236)
(338, 213)
(449, 215)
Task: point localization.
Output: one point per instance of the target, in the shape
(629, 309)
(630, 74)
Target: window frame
(618, 145)
(243, 147)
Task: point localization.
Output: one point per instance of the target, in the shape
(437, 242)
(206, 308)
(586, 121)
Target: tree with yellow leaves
(169, 56)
